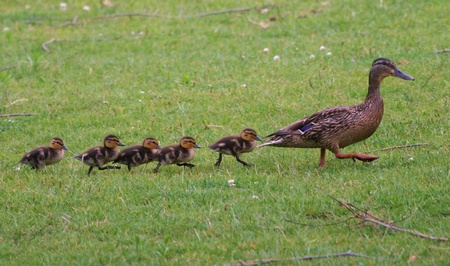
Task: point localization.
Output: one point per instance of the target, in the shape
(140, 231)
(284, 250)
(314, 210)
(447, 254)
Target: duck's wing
(327, 119)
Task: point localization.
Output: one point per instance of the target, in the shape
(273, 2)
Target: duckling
(139, 154)
(101, 155)
(235, 145)
(43, 156)
(179, 154)
(337, 127)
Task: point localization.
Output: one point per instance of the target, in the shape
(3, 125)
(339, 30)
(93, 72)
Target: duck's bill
(197, 146)
(399, 74)
(64, 147)
(121, 144)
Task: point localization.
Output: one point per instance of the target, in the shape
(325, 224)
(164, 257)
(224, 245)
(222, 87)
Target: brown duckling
(139, 154)
(101, 155)
(179, 154)
(337, 127)
(43, 156)
(235, 145)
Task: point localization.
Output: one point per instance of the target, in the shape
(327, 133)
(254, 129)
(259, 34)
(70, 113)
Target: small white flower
(243, 56)
(265, 50)
(329, 53)
(18, 168)
(27, 7)
(86, 8)
(141, 33)
(312, 56)
(322, 47)
(411, 158)
(63, 6)
(132, 33)
(141, 92)
(139, 100)
(105, 102)
(255, 197)
(264, 11)
(244, 85)
(276, 58)
(231, 181)
(5, 29)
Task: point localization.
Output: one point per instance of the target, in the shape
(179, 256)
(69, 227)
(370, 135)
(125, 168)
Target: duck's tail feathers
(272, 142)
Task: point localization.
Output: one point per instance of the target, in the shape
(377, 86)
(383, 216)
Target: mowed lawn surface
(166, 69)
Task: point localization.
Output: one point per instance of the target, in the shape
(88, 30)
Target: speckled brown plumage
(139, 154)
(101, 155)
(338, 127)
(179, 154)
(43, 156)
(235, 145)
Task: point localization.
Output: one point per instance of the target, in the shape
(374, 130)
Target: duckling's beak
(158, 147)
(258, 138)
(121, 144)
(197, 146)
(64, 147)
(399, 74)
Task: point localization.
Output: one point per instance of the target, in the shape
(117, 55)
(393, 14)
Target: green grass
(209, 77)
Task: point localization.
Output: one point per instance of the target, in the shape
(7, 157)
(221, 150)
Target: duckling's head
(249, 135)
(188, 143)
(57, 144)
(112, 141)
(151, 143)
(383, 67)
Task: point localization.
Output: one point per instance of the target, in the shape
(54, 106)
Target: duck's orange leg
(358, 156)
(322, 157)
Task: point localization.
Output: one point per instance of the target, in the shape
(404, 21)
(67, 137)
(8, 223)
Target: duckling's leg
(90, 169)
(129, 167)
(157, 168)
(217, 164)
(358, 156)
(242, 162)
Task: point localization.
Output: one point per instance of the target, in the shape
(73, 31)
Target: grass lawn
(183, 69)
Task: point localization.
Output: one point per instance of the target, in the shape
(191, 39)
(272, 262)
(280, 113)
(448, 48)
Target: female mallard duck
(179, 154)
(139, 154)
(235, 145)
(101, 155)
(43, 156)
(338, 127)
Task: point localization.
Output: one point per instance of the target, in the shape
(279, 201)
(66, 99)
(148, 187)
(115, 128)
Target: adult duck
(337, 127)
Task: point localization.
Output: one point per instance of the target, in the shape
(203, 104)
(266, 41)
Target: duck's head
(383, 67)
(112, 141)
(188, 143)
(249, 135)
(57, 144)
(151, 143)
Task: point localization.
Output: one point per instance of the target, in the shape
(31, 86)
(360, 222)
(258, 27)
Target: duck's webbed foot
(357, 156)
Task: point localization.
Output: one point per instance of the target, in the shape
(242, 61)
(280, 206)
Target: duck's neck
(374, 94)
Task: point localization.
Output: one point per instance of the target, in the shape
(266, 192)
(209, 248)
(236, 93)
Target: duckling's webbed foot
(186, 164)
(358, 156)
